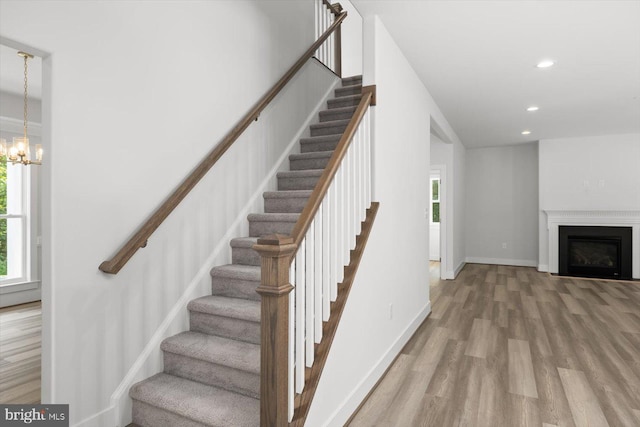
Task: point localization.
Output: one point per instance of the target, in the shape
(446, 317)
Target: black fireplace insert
(602, 252)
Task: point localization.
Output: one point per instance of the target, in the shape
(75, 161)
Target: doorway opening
(21, 230)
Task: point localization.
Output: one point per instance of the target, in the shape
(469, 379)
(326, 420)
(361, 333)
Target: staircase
(212, 372)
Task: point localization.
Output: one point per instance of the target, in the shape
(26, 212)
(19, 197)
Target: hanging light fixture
(20, 151)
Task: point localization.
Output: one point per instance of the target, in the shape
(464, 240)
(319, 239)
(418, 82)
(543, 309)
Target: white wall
(394, 268)
(139, 92)
(502, 205)
(351, 40)
(452, 155)
(459, 209)
(587, 173)
(11, 105)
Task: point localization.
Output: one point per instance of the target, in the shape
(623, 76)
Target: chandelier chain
(25, 95)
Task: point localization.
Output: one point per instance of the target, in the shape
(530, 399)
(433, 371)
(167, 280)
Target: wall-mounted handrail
(139, 239)
(319, 192)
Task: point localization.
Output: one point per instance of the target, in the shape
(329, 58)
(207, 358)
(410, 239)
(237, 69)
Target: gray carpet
(212, 372)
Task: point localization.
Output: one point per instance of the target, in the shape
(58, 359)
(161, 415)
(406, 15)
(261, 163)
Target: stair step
(345, 101)
(168, 401)
(242, 251)
(236, 281)
(216, 361)
(353, 80)
(334, 127)
(337, 114)
(319, 143)
(234, 318)
(271, 223)
(313, 160)
(298, 180)
(355, 89)
(291, 201)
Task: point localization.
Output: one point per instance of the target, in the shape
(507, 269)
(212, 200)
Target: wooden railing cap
(275, 240)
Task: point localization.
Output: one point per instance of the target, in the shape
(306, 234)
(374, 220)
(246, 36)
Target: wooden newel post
(338, 43)
(276, 251)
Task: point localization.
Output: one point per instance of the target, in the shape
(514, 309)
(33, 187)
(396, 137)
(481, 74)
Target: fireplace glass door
(599, 258)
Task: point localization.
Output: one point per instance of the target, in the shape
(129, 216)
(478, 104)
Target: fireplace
(589, 251)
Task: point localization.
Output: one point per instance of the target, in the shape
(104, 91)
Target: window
(13, 220)
(435, 200)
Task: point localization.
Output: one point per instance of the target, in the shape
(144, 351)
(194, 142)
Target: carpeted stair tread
(235, 354)
(210, 406)
(305, 179)
(286, 194)
(242, 251)
(236, 308)
(303, 173)
(337, 113)
(234, 312)
(348, 90)
(321, 138)
(244, 242)
(333, 127)
(285, 201)
(349, 81)
(344, 101)
(271, 223)
(274, 217)
(236, 271)
(319, 143)
(310, 160)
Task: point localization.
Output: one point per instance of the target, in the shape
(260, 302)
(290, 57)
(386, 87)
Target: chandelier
(20, 150)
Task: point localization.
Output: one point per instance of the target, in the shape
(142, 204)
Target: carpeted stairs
(212, 372)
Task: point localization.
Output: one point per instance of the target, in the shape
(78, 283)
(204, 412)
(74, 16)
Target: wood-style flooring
(20, 329)
(509, 346)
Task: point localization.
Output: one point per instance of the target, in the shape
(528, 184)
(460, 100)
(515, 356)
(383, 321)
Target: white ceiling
(477, 58)
(12, 73)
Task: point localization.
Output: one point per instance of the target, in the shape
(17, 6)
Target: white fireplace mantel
(556, 218)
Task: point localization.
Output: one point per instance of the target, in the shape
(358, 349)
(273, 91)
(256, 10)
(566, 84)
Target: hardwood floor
(20, 329)
(509, 346)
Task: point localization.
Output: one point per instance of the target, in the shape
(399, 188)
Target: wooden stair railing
(278, 407)
(141, 236)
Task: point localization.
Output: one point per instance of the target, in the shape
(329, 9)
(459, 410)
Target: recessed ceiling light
(546, 63)
(526, 132)
(533, 108)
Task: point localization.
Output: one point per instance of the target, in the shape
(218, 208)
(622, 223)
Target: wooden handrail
(139, 239)
(313, 204)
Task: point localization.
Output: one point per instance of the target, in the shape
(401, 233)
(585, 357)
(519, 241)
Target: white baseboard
(101, 419)
(452, 274)
(355, 398)
(543, 268)
(502, 261)
(118, 414)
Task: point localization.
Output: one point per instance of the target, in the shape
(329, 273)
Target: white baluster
(354, 202)
(368, 159)
(300, 316)
(358, 178)
(317, 299)
(363, 177)
(335, 237)
(309, 295)
(326, 253)
(341, 227)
